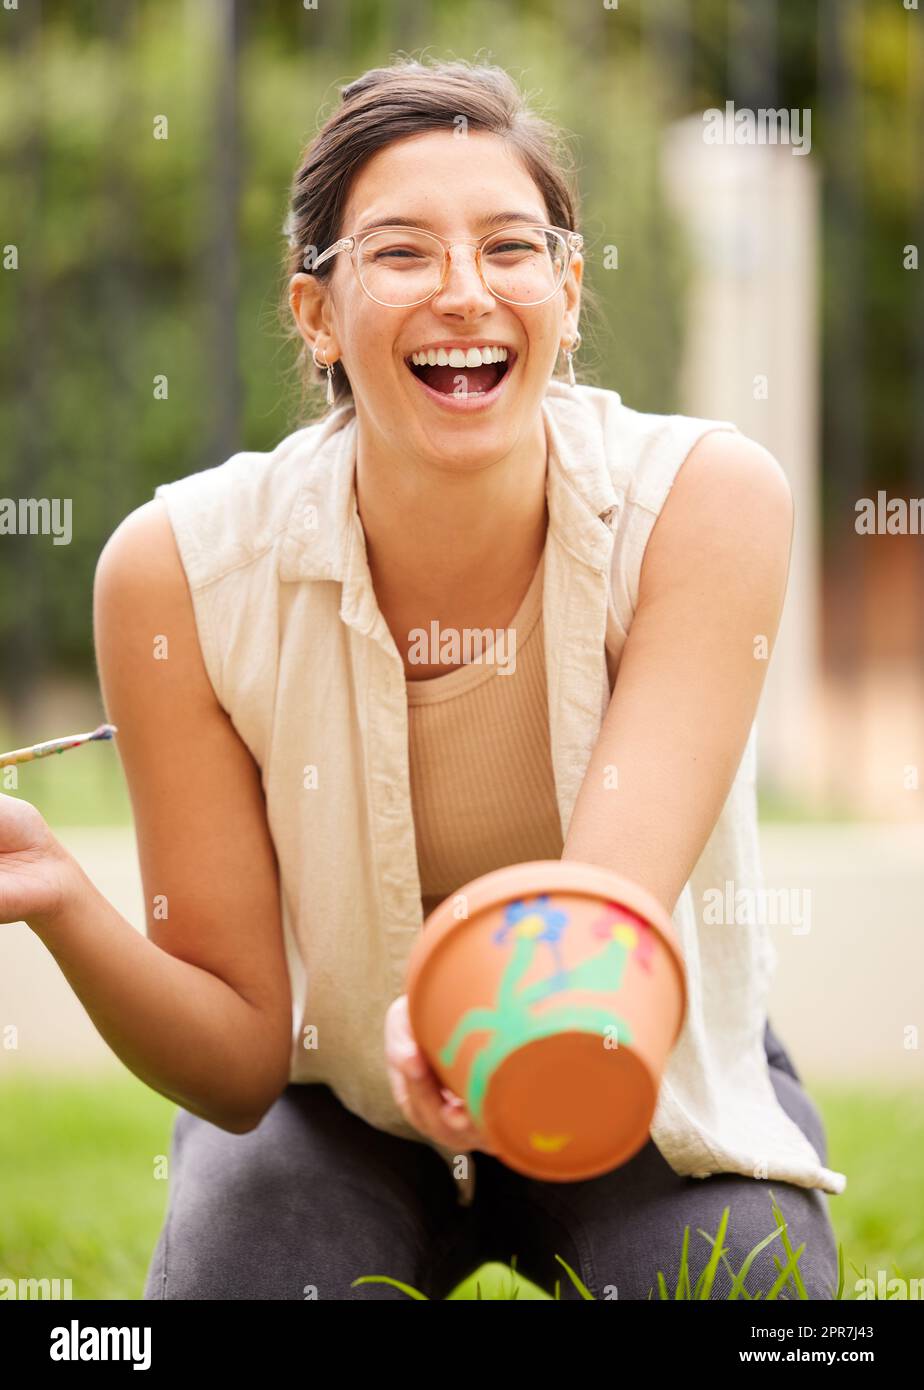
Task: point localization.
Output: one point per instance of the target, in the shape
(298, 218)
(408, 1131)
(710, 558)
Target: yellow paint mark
(533, 925)
(549, 1143)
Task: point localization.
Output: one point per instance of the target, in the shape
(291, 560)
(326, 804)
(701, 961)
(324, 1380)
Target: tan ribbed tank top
(482, 784)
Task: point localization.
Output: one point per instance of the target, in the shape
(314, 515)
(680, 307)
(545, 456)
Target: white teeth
(456, 357)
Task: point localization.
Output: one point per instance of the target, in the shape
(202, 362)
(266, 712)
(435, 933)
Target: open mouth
(464, 382)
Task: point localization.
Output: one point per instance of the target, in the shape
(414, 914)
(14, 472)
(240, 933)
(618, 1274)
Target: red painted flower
(618, 924)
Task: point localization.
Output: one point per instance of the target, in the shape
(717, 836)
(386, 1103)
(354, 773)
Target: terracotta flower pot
(548, 996)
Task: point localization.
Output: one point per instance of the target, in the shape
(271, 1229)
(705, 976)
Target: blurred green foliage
(115, 230)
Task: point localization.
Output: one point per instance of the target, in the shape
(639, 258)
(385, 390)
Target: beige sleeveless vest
(302, 660)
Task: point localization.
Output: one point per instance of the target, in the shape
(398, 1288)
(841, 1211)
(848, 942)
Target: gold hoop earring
(569, 354)
(330, 375)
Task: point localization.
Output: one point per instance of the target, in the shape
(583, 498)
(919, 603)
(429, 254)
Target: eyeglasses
(403, 266)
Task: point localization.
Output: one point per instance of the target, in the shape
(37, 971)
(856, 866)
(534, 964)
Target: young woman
(330, 778)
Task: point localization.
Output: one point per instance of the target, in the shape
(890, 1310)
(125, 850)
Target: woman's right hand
(433, 1109)
(34, 865)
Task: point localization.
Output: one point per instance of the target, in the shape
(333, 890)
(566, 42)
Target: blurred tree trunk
(117, 273)
(753, 42)
(844, 360)
(24, 652)
(326, 29)
(221, 258)
(916, 236)
(667, 35)
(412, 22)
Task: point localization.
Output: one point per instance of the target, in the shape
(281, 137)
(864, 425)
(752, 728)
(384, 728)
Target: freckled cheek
(542, 342)
(373, 355)
(369, 340)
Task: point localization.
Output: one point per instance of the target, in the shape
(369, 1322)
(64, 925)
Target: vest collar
(325, 538)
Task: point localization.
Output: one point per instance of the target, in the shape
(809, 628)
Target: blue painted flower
(536, 918)
(540, 921)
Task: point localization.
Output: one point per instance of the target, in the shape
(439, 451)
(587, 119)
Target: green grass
(80, 1199)
(876, 1137)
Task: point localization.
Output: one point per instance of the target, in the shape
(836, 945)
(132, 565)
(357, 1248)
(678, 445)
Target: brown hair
(386, 104)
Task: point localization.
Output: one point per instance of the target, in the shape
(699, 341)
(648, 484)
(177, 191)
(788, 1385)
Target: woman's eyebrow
(494, 219)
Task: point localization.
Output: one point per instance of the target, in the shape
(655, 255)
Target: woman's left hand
(429, 1106)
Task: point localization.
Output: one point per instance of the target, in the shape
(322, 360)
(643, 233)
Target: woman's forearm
(179, 1028)
(691, 671)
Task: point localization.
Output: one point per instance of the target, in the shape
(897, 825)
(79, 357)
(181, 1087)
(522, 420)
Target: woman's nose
(464, 284)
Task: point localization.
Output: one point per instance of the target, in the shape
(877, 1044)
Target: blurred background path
(845, 994)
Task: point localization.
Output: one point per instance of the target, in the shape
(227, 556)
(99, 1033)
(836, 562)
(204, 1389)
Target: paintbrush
(55, 745)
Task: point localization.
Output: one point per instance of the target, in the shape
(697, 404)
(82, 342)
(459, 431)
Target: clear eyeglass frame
(574, 243)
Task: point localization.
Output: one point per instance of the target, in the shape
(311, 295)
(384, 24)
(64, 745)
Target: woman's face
(447, 184)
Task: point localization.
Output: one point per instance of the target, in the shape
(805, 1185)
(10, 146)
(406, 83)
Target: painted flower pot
(548, 995)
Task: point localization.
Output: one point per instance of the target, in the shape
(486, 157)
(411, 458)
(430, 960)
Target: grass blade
(707, 1278)
(582, 1289)
(840, 1270)
(395, 1283)
(738, 1284)
(786, 1273)
(781, 1221)
(683, 1274)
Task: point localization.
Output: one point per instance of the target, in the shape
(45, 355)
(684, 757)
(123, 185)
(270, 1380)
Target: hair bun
(374, 78)
(378, 77)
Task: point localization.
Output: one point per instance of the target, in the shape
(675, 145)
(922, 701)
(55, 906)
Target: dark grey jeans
(314, 1197)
